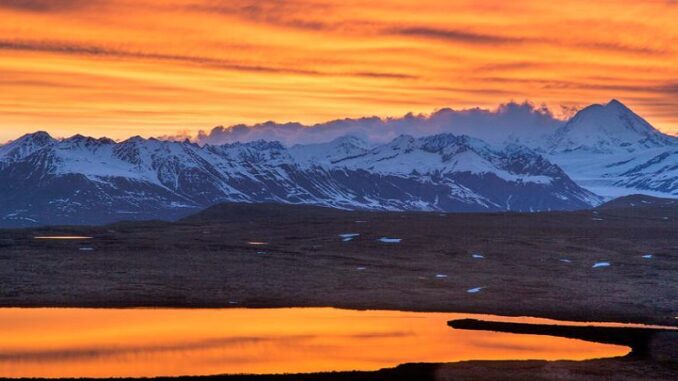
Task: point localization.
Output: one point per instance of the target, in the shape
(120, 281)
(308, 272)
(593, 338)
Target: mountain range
(603, 151)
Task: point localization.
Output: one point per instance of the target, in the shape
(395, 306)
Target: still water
(170, 342)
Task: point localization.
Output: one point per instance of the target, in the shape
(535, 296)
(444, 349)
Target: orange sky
(127, 67)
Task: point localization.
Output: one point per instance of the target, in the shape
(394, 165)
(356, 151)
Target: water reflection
(170, 342)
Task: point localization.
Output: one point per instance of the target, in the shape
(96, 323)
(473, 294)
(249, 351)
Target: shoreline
(617, 368)
(595, 321)
(573, 316)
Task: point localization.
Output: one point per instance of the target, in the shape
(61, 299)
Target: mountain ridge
(80, 179)
(603, 147)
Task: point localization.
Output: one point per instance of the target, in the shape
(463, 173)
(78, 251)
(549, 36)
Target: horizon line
(182, 136)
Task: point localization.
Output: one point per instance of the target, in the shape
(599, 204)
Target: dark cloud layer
(457, 35)
(93, 50)
(47, 5)
(287, 13)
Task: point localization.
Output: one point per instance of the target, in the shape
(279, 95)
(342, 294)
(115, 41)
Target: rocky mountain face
(82, 180)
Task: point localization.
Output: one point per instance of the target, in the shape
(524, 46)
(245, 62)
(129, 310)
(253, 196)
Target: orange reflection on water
(171, 342)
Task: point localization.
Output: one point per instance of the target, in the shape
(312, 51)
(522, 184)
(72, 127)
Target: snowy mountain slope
(329, 154)
(86, 180)
(613, 152)
(652, 171)
(446, 154)
(24, 146)
(511, 178)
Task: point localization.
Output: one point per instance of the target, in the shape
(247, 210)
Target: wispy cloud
(48, 5)
(456, 35)
(624, 48)
(288, 13)
(93, 50)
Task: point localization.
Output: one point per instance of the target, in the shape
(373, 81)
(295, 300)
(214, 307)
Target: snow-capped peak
(39, 137)
(611, 151)
(606, 129)
(86, 142)
(449, 145)
(26, 145)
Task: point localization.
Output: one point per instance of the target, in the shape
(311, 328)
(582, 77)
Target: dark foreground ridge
(618, 369)
(639, 201)
(406, 372)
(640, 340)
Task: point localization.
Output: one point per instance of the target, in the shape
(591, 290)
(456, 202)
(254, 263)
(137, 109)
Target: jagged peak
(402, 140)
(458, 143)
(351, 139)
(26, 145)
(259, 144)
(40, 134)
(133, 140)
(615, 103)
(37, 136)
(88, 140)
(448, 138)
(516, 148)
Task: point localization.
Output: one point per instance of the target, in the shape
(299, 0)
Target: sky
(119, 68)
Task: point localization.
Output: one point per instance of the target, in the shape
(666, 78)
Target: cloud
(94, 50)
(623, 48)
(47, 5)
(511, 120)
(669, 88)
(455, 35)
(286, 13)
(179, 136)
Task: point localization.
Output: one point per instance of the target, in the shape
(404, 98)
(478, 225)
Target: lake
(76, 342)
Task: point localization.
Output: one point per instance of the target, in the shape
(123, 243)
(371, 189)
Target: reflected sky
(171, 342)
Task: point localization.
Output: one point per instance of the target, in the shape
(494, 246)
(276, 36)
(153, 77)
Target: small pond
(75, 342)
